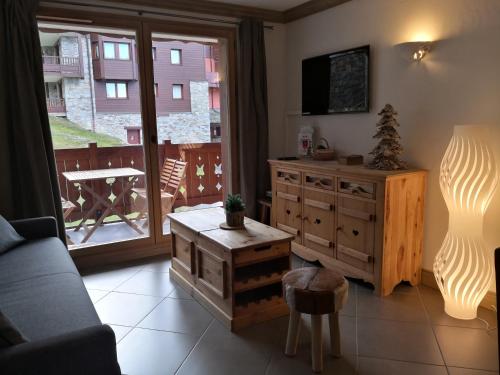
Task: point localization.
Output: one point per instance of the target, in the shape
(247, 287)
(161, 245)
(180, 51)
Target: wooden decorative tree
(386, 153)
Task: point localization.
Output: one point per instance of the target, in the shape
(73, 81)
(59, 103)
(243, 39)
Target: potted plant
(235, 210)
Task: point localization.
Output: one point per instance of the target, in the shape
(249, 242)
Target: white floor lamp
(463, 266)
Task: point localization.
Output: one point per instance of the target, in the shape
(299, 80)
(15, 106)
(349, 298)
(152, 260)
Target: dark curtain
(28, 178)
(252, 109)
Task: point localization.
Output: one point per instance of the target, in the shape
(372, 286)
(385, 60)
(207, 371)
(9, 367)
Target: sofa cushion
(9, 334)
(35, 258)
(9, 238)
(48, 306)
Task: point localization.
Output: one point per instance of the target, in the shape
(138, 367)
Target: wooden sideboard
(366, 223)
(236, 274)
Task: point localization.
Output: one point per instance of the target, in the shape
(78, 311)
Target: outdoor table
(101, 174)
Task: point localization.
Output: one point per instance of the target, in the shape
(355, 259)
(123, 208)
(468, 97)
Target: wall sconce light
(463, 267)
(421, 49)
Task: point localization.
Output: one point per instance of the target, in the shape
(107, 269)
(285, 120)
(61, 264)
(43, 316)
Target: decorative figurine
(386, 153)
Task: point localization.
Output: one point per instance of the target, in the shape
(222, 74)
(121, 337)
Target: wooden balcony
(56, 105)
(203, 183)
(70, 67)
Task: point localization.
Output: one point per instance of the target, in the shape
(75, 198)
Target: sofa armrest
(37, 227)
(88, 351)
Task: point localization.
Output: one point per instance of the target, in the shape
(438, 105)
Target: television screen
(336, 83)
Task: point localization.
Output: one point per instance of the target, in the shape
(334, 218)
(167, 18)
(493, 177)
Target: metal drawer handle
(355, 232)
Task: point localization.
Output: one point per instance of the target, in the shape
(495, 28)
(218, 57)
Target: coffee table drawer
(183, 253)
(259, 254)
(212, 273)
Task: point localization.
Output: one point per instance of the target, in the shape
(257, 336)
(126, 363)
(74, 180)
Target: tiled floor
(160, 329)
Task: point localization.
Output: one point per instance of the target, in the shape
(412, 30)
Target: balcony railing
(202, 184)
(66, 66)
(61, 60)
(56, 105)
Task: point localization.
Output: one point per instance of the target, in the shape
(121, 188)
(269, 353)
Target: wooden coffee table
(236, 274)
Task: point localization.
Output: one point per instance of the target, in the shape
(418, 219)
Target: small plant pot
(235, 219)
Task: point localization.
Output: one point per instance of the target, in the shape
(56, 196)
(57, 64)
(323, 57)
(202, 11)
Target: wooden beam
(210, 7)
(310, 7)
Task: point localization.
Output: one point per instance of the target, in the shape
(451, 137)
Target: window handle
(154, 139)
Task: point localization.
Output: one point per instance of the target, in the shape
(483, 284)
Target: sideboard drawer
(319, 181)
(259, 254)
(358, 188)
(288, 176)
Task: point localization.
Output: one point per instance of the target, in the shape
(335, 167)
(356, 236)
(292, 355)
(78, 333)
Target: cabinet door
(288, 210)
(319, 221)
(356, 232)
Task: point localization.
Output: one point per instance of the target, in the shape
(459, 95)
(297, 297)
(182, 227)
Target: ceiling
(279, 5)
(278, 11)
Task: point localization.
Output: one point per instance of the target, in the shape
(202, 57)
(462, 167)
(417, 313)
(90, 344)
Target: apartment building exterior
(93, 80)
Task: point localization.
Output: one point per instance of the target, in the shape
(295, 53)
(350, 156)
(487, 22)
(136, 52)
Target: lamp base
(458, 312)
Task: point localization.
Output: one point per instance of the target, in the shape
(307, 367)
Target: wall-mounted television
(337, 82)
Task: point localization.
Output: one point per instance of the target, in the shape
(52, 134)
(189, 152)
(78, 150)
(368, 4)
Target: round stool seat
(315, 291)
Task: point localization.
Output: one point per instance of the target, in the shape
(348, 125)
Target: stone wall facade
(77, 92)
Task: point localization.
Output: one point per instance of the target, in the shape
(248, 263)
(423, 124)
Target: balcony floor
(120, 231)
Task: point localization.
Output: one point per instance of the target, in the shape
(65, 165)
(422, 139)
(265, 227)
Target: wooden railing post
(170, 150)
(93, 155)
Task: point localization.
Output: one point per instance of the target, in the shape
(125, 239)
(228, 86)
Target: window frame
(119, 51)
(115, 84)
(143, 26)
(180, 56)
(104, 50)
(182, 91)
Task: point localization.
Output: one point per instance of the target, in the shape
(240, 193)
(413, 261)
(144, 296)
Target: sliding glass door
(188, 78)
(93, 93)
(140, 113)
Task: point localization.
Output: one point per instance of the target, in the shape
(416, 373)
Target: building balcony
(56, 105)
(213, 79)
(61, 66)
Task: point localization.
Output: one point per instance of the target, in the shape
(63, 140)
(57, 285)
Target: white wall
(457, 83)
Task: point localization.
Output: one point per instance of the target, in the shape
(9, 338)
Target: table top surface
(333, 166)
(206, 223)
(99, 174)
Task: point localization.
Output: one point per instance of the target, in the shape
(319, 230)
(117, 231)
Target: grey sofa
(43, 294)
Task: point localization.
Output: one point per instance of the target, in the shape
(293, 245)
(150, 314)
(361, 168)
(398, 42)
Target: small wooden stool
(314, 291)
